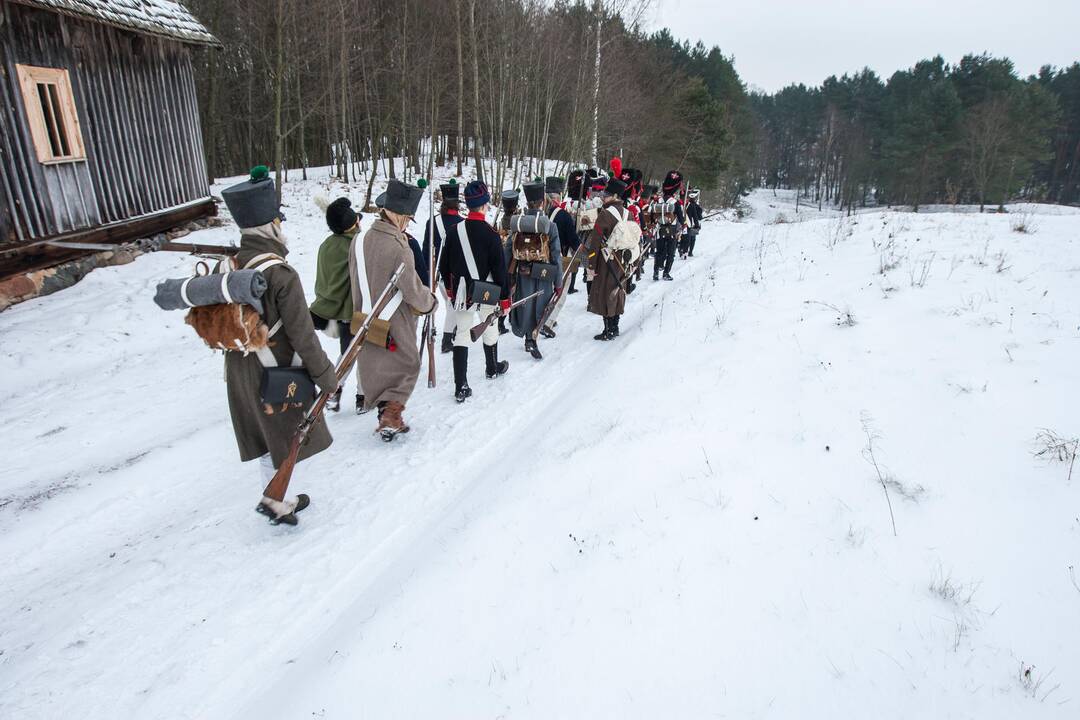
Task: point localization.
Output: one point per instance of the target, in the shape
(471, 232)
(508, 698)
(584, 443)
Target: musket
(478, 330)
(279, 485)
(550, 307)
(429, 320)
(431, 315)
(150, 246)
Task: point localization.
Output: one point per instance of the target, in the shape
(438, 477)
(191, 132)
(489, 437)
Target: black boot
(615, 326)
(333, 403)
(547, 332)
(502, 325)
(494, 367)
(572, 289)
(461, 374)
(447, 342)
(360, 410)
(606, 335)
(530, 347)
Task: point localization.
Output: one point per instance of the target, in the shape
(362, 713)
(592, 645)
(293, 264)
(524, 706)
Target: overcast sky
(778, 42)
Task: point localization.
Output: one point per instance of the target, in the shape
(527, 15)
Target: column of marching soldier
(517, 269)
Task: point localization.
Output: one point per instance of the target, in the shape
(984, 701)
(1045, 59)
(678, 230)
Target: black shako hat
(401, 198)
(615, 186)
(253, 202)
(534, 191)
(673, 181)
(576, 185)
(509, 199)
(554, 185)
(451, 190)
(340, 216)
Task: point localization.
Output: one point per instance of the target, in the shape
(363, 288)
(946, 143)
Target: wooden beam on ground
(38, 255)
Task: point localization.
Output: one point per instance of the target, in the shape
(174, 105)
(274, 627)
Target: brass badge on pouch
(291, 390)
(487, 296)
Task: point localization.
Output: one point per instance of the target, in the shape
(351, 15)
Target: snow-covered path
(680, 523)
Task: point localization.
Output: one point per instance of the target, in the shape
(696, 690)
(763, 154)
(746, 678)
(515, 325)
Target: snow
(679, 523)
(156, 17)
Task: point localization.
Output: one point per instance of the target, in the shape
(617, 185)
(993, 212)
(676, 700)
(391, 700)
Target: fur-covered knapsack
(235, 326)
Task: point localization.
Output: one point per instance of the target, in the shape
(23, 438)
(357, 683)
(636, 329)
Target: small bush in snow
(844, 318)
(911, 493)
(780, 219)
(1002, 260)
(980, 260)
(959, 594)
(1052, 447)
(868, 453)
(956, 262)
(1024, 223)
(1032, 682)
(888, 259)
(920, 270)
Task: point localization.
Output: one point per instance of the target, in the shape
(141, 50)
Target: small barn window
(51, 114)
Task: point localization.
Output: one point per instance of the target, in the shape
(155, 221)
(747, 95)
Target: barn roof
(154, 17)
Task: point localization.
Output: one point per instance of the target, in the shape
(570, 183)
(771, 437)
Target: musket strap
(361, 272)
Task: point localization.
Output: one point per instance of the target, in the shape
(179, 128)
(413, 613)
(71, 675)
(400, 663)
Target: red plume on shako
(616, 166)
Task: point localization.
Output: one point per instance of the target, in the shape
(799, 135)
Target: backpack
(664, 212)
(626, 235)
(532, 238)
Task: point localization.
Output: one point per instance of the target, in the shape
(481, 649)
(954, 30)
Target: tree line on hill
(973, 132)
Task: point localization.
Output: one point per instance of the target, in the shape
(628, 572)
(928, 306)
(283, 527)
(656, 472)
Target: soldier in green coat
(332, 310)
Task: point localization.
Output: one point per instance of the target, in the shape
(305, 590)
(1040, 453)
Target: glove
(504, 305)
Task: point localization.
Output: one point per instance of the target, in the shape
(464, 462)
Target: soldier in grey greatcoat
(529, 277)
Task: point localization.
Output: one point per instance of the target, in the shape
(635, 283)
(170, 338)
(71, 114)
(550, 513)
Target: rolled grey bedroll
(241, 286)
(539, 224)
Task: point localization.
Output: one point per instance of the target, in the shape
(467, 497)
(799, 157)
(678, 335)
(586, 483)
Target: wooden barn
(99, 125)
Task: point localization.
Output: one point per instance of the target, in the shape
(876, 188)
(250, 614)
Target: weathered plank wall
(136, 100)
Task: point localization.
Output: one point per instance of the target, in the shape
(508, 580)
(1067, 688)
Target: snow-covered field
(683, 523)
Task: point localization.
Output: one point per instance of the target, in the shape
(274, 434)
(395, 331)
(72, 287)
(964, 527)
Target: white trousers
(467, 318)
(266, 471)
(450, 321)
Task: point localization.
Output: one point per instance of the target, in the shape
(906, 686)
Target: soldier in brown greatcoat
(607, 293)
(388, 374)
